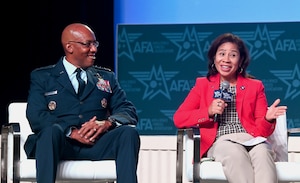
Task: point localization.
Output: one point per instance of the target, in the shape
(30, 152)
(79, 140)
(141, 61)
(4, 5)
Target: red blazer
(251, 104)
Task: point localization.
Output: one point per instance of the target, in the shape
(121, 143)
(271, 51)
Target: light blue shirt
(70, 68)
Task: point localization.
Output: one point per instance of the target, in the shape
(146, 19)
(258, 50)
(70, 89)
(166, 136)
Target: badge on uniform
(104, 103)
(103, 84)
(52, 105)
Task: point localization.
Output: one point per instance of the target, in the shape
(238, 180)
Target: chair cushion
(67, 170)
(279, 139)
(288, 171)
(211, 170)
(73, 170)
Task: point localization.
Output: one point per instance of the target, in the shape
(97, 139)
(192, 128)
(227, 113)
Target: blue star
(188, 43)
(124, 40)
(292, 80)
(155, 82)
(260, 41)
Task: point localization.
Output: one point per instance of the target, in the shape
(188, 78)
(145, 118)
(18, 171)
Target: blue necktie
(81, 83)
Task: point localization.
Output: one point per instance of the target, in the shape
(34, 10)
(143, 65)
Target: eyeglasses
(87, 44)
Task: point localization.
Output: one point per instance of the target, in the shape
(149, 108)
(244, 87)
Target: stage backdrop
(157, 65)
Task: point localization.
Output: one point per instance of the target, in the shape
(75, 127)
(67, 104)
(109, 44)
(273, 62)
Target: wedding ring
(95, 129)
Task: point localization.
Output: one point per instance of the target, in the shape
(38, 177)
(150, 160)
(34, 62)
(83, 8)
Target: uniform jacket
(53, 100)
(251, 104)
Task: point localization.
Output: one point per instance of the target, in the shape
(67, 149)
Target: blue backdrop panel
(157, 65)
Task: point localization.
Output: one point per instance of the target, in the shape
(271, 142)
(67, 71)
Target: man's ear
(69, 48)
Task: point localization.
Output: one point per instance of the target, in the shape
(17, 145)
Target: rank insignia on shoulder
(102, 68)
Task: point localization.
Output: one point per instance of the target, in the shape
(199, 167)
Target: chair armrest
(4, 137)
(14, 129)
(293, 130)
(179, 155)
(194, 132)
(196, 155)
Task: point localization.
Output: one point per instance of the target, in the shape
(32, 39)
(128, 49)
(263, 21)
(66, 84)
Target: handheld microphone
(223, 94)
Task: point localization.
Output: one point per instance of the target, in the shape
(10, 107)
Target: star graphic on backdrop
(292, 79)
(155, 82)
(188, 43)
(124, 39)
(260, 41)
(168, 113)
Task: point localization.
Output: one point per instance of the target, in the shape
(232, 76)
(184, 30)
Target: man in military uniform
(79, 111)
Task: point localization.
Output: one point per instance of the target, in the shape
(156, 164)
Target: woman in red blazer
(230, 107)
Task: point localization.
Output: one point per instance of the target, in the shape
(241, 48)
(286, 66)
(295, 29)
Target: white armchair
(207, 170)
(15, 166)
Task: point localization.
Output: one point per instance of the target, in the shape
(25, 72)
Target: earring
(241, 70)
(212, 66)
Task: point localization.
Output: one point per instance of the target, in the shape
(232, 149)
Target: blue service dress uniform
(54, 107)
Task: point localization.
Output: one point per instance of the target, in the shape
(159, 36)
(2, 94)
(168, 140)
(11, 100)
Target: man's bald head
(79, 44)
(75, 31)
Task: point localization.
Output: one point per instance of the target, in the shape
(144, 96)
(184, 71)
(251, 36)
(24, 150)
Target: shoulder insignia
(45, 67)
(102, 68)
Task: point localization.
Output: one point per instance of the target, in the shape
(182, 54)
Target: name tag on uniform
(51, 93)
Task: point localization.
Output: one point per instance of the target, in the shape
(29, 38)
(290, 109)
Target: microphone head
(225, 85)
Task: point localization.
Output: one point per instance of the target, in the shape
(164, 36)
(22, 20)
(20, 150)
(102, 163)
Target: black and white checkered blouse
(229, 121)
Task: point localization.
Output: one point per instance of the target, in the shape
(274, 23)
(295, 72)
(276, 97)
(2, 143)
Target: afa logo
(292, 79)
(259, 41)
(155, 81)
(266, 42)
(124, 43)
(145, 124)
(188, 43)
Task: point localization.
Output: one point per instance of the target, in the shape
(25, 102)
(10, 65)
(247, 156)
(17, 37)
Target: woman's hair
(244, 54)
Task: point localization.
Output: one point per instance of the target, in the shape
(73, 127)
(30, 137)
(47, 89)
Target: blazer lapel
(62, 77)
(214, 85)
(91, 82)
(241, 89)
